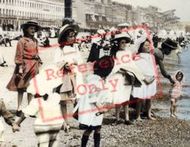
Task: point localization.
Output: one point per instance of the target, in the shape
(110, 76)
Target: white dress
(125, 62)
(122, 92)
(48, 116)
(147, 65)
(86, 104)
(71, 55)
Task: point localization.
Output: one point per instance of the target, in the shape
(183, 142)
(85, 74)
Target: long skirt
(21, 82)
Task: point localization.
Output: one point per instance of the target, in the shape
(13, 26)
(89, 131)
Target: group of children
(50, 103)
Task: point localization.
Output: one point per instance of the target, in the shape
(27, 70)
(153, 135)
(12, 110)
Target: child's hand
(172, 81)
(102, 109)
(15, 128)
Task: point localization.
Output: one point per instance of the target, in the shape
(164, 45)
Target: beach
(165, 131)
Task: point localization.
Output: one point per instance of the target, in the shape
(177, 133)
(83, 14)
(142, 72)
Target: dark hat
(30, 23)
(169, 43)
(64, 29)
(104, 66)
(121, 36)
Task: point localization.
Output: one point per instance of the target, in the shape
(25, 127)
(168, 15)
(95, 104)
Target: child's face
(179, 76)
(146, 47)
(31, 30)
(71, 37)
(122, 44)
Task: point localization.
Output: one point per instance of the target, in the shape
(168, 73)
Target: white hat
(121, 36)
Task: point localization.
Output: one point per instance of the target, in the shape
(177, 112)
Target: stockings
(96, 137)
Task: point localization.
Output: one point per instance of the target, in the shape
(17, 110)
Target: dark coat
(94, 53)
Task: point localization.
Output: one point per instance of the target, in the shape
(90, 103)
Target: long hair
(63, 40)
(140, 50)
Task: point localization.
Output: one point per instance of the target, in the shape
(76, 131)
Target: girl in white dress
(67, 56)
(91, 105)
(147, 65)
(124, 66)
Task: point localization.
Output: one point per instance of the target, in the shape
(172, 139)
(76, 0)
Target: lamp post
(68, 8)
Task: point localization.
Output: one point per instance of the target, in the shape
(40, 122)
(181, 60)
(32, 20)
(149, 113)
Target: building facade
(89, 14)
(94, 14)
(155, 18)
(15, 12)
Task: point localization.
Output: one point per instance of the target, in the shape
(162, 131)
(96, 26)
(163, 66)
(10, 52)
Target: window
(7, 11)
(97, 17)
(104, 18)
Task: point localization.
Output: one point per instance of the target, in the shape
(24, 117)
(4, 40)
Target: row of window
(90, 17)
(28, 4)
(6, 12)
(101, 1)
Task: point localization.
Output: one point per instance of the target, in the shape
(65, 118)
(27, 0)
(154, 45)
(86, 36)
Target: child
(176, 92)
(91, 104)
(46, 110)
(27, 62)
(8, 117)
(67, 55)
(147, 90)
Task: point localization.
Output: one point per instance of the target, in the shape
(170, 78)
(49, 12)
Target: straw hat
(31, 23)
(121, 36)
(64, 29)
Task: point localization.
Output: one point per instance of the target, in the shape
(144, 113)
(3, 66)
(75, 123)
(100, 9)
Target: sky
(182, 6)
